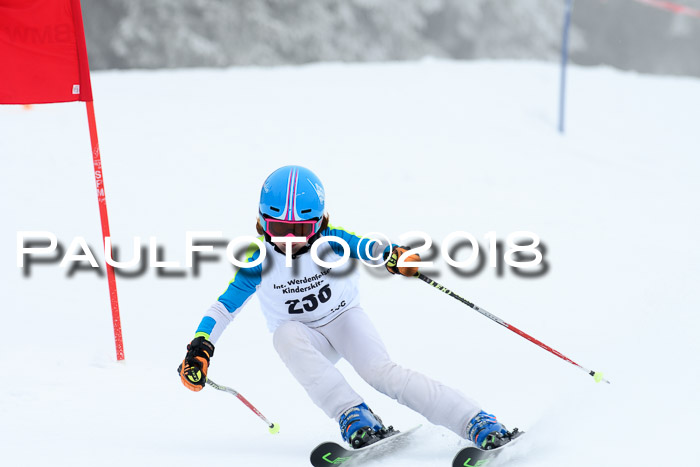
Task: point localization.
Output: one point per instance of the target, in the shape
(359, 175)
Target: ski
(330, 453)
(475, 457)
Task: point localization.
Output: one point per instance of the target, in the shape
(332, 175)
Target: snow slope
(433, 146)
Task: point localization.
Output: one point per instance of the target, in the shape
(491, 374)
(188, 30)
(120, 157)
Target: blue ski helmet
(292, 194)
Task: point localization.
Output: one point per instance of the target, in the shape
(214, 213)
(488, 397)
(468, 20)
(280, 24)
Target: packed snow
(435, 146)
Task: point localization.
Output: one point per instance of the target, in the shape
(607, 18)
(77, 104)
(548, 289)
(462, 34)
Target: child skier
(315, 315)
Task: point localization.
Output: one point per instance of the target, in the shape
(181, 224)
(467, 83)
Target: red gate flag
(42, 52)
(43, 59)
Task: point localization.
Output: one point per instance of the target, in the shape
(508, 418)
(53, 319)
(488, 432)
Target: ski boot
(487, 433)
(360, 427)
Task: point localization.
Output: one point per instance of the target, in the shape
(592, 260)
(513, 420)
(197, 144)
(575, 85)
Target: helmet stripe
(287, 205)
(289, 194)
(290, 198)
(294, 196)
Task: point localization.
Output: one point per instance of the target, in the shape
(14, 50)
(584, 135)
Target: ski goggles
(278, 228)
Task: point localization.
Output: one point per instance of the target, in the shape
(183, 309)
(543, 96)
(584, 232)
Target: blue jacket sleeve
(243, 285)
(360, 247)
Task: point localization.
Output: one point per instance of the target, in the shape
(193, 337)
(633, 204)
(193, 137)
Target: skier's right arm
(193, 370)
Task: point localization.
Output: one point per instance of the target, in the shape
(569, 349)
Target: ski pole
(597, 376)
(272, 427)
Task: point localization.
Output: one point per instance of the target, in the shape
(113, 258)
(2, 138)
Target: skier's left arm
(372, 251)
(363, 248)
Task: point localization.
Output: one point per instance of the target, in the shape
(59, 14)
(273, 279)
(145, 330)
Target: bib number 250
(310, 302)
